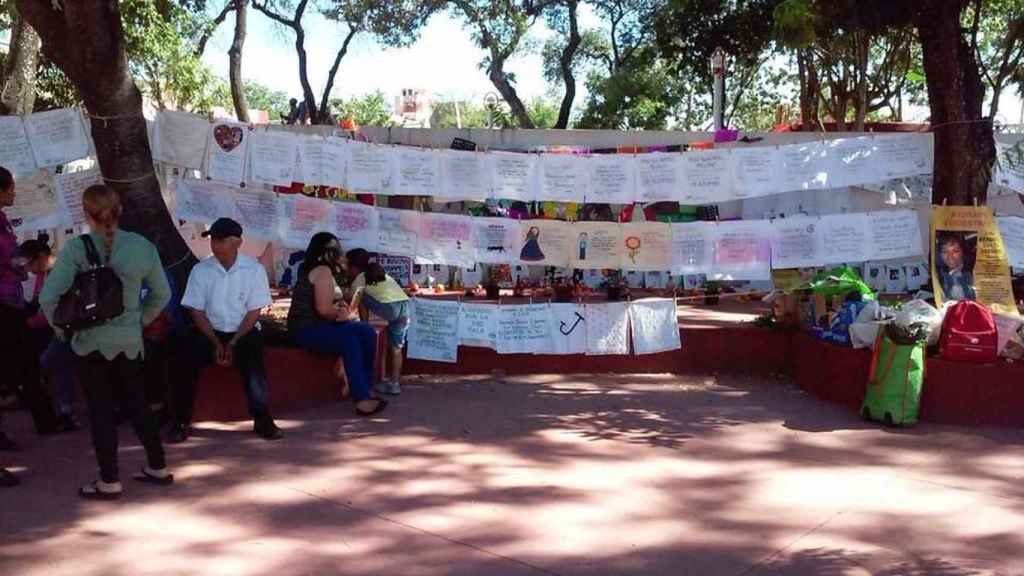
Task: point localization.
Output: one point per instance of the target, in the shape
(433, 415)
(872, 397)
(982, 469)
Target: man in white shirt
(225, 294)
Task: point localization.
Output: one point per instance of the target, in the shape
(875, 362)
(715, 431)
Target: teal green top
(134, 260)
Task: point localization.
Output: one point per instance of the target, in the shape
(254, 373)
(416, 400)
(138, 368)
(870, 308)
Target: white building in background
(413, 108)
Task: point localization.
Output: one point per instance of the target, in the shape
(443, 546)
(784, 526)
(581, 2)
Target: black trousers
(21, 375)
(195, 352)
(110, 383)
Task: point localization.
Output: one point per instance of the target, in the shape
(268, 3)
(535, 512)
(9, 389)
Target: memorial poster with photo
(496, 240)
(598, 245)
(568, 328)
(434, 330)
(513, 176)
(355, 225)
(15, 150)
(917, 276)
(692, 247)
(612, 179)
(226, 153)
(646, 246)
(545, 242)
(655, 325)
(57, 136)
(658, 176)
(968, 258)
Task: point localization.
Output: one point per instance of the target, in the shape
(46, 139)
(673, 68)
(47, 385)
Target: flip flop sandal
(91, 491)
(381, 405)
(147, 478)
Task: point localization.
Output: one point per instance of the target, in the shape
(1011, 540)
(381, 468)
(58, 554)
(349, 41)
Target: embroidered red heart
(228, 137)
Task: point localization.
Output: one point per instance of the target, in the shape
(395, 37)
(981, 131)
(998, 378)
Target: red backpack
(969, 334)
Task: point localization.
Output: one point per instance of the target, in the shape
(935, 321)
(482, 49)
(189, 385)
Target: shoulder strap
(90, 251)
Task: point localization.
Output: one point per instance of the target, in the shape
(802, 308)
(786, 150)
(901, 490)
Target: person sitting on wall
(224, 296)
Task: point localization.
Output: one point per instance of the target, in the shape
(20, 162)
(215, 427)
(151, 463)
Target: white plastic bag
(870, 320)
(920, 313)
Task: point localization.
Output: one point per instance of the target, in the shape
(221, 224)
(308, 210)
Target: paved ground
(540, 475)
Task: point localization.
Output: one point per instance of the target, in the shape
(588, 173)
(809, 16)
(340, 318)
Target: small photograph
(954, 257)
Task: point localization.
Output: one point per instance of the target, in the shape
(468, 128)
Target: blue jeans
(355, 342)
(397, 316)
(58, 362)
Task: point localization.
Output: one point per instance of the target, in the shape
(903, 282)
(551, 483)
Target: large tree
(85, 39)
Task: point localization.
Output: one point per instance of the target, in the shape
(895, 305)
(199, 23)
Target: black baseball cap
(223, 228)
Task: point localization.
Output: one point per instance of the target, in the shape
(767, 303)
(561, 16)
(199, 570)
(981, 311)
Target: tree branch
(229, 6)
(325, 100)
(262, 7)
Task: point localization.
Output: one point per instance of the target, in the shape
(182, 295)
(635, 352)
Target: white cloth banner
(692, 247)
(646, 246)
(755, 172)
(272, 158)
(15, 150)
(57, 136)
(741, 251)
(398, 231)
(256, 210)
(545, 242)
(562, 178)
(324, 161)
(523, 329)
(844, 238)
(446, 239)
(804, 167)
(567, 326)
(181, 139)
(70, 187)
(355, 225)
(478, 325)
(464, 175)
(419, 172)
(706, 177)
(301, 217)
(372, 169)
(496, 240)
(203, 202)
(226, 152)
(796, 242)
(514, 176)
(903, 155)
(612, 179)
(607, 328)
(658, 176)
(852, 161)
(1011, 228)
(434, 331)
(655, 325)
(894, 234)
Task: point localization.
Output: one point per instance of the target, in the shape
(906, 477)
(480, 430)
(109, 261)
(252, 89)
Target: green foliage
(642, 96)
(258, 96)
(542, 111)
(368, 110)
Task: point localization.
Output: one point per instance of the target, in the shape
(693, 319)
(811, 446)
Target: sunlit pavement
(548, 474)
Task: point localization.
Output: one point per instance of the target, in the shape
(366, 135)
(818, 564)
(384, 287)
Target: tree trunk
(235, 63)
(810, 91)
(964, 144)
(307, 90)
(85, 41)
(565, 62)
(508, 93)
(19, 86)
(862, 43)
(325, 101)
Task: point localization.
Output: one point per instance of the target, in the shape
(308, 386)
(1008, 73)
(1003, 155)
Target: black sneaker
(6, 444)
(267, 430)
(178, 433)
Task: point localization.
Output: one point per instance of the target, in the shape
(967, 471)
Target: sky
(444, 61)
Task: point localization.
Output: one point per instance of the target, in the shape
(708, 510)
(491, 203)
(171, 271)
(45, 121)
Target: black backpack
(95, 297)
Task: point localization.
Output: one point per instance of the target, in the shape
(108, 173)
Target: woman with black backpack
(106, 268)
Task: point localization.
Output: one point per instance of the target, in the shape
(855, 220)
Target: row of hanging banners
(644, 326)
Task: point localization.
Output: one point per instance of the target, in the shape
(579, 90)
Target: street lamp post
(718, 76)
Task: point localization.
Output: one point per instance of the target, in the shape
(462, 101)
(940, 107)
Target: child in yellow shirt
(386, 299)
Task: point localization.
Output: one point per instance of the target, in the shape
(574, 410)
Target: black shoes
(178, 433)
(266, 429)
(6, 444)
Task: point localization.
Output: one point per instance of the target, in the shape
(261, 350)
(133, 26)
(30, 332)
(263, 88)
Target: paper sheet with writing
(256, 210)
(434, 330)
(658, 176)
(545, 242)
(742, 250)
(57, 136)
(755, 172)
(852, 161)
(597, 245)
(844, 238)
(372, 169)
(562, 178)
(523, 329)
(706, 177)
(15, 150)
(567, 326)
(514, 176)
(398, 231)
(302, 217)
(796, 242)
(646, 246)
(655, 325)
(203, 202)
(1009, 169)
(35, 203)
(478, 325)
(607, 328)
(692, 247)
(355, 225)
(894, 234)
(612, 179)
(272, 158)
(903, 155)
(446, 239)
(419, 172)
(804, 167)
(324, 161)
(70, 187)
(1012, 230)
(464, 175)
(496, 240)
(181, 138)
(227, 152)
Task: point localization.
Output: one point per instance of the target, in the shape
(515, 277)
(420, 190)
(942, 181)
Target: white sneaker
(388, 387)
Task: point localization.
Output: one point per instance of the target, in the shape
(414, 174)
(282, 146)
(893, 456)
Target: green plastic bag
(897, 375)
(840, 281)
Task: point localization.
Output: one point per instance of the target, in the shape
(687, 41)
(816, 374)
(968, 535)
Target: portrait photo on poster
(955, 254)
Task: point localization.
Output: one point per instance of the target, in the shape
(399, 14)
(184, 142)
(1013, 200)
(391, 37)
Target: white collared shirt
(226, 296)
